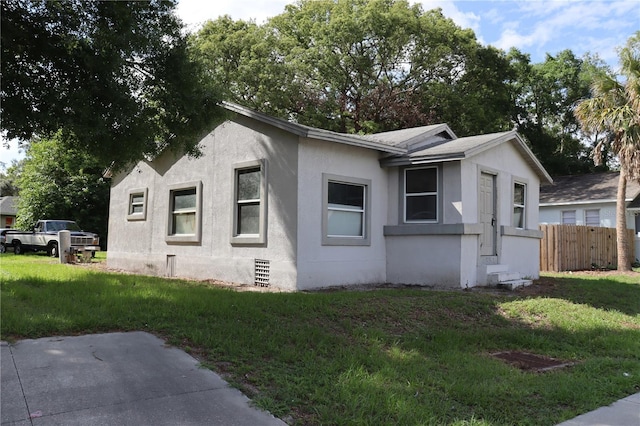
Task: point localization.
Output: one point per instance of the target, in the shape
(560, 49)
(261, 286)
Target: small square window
(592, 217)
(569, 217)
(137, 208)
(184, 212)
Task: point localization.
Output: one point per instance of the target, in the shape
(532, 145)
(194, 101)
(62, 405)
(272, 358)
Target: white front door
(487, 213)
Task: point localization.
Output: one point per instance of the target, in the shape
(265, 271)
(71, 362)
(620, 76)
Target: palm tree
(614, 110)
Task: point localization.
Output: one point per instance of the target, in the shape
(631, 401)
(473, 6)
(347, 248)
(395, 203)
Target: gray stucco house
(276, 203)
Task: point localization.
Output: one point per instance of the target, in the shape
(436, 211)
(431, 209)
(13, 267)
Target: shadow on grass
(618, 293)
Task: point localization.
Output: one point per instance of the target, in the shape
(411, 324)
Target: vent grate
(261, 273)
(171, 265)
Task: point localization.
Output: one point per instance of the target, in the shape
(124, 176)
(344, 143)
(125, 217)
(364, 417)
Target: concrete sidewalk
(625, 412)
(136, 379)
(116, 379)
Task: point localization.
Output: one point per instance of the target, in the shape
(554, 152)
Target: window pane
(345, 196)
(184, 223)
(592, 217)
(518, 217)
(249, 218)
(348, 224)
(421, 207)
(569, 217)
(184, 199)
(518, 194)
(137, 198)
(137, 208)
(249, 184)
(421, 180)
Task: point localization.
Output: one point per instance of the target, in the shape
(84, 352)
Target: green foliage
(383, 357)
(545, 95)
(61, 183)
(613, 115)
(360, 66)
(9, 179)
(116, 74)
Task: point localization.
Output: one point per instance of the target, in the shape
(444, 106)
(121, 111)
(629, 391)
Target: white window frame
(131, 216)
(171, 236)
(522, 206)
(346, 240)
(586, 215)
(261, 237)
(420, 194)
(562, 217)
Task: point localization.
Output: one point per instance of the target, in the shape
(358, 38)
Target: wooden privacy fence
(575, 248)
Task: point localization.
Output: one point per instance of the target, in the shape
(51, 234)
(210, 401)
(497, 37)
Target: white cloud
(195, 12)
(552, 26)
(450, 10)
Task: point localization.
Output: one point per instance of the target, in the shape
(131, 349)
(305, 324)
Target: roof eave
(310, 132)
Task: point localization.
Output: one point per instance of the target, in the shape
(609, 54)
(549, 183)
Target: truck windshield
(61, 225)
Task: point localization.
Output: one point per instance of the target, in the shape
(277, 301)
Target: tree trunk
(624, 257)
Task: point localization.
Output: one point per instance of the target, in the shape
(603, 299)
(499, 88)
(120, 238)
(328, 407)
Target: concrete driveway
(116, 379)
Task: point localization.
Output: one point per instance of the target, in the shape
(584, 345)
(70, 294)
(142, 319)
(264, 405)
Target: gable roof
(583, 189)
(462, 148)
(418, 145)
(9, 205)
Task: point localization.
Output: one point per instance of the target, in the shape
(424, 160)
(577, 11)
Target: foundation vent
(171, 265)
(261, 272)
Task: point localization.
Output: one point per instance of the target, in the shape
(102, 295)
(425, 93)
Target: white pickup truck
(44, 237)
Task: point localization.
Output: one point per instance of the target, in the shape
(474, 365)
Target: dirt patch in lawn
(531, 362)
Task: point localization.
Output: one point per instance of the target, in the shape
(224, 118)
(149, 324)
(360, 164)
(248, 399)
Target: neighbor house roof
(8, 205)
(418, 145)
(583, 189)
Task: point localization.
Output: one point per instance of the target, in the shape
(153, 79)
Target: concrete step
(493, 269)
(499, 277)
(514, 284)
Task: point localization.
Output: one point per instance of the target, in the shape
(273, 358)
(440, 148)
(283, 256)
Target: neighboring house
(276, 203)
(8, 211)
(588, 200)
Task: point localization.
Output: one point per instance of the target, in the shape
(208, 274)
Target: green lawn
(393, 356)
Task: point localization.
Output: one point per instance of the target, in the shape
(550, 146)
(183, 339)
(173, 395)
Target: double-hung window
(592, 217)
(421, 195)
(568, 217)
(345, 218)
(184, 212)
(519, 205)
(137, 208)
(249, 203)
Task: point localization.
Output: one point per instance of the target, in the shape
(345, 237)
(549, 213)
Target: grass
(382, 357)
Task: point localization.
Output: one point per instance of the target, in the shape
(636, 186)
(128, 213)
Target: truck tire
(52, 249)
(17, 247)
(3, 248)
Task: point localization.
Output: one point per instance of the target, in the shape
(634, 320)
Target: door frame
(493, 257)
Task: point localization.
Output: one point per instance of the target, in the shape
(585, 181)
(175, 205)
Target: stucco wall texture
(293, 246)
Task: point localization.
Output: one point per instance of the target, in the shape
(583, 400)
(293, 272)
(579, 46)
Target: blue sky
(535, 27)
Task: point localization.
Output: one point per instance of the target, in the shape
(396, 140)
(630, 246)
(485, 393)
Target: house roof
(462, 148)
(588, 188)
(312, 132)
(418, 145)
(9, 205)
